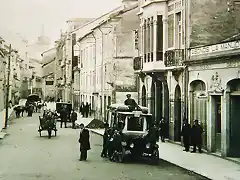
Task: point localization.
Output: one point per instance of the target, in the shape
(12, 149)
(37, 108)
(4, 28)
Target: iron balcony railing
(137, 63)
(174, 57)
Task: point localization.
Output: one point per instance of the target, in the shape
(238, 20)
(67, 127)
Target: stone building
(187, 66)
(106, 51)
(213, 73)
(159, 62)
(48, 74)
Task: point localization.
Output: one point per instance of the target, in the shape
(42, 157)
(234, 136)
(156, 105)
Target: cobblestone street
(26, 156)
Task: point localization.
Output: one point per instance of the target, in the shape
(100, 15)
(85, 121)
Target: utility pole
(7, 93)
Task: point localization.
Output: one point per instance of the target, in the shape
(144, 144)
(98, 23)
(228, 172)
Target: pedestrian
(82, 108)
(186, 133)
(163, 129)
(86, 110)
(130, 102)
(105, 140)
(196, 137)
(73, 118)
(84, 142)
(30, 110)
(63, 116)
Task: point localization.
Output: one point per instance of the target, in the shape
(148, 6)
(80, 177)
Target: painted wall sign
(215, 48)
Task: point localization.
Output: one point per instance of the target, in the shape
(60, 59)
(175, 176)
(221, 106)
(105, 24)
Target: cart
(47, 124)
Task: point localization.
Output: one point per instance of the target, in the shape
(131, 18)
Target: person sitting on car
(129, 101)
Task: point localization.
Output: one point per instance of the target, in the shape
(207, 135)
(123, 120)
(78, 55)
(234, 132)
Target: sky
(27, 16)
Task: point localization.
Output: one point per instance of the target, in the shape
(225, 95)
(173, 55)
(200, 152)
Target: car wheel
(121, 156)
(155, 156)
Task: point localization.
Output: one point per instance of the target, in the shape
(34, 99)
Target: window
(135, 124)
(178, 30)
(170, 30)
(49, 83)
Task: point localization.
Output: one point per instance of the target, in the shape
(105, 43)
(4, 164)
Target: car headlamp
(132, 145)
(148, 145)
(124, 143)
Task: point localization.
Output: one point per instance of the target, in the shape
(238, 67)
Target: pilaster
(211, 139)
(154, 38)
(225, 135)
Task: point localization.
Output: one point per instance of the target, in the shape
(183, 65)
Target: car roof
(131, 113)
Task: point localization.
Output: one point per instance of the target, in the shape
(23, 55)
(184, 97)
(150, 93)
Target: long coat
(84, 140)
(186, 133)
(196, 134)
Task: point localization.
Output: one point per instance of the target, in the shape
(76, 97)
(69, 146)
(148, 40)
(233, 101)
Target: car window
(135, 124)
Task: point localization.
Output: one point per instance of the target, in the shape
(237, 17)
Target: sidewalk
(83, 120)
(210, 166)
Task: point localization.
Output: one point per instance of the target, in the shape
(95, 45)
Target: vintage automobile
(134, 124)
(67, 106)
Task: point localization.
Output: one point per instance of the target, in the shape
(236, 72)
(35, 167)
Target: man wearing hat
(129, 101)
(105, 140)
(84, 142)
(196, 137)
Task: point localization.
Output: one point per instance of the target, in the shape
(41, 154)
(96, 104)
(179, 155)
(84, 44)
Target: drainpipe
(95, 69)
(79, 75)
(187, 44)
(102, 74)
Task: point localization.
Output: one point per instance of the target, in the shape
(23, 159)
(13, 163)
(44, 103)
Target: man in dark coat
(82, 109)
(73, 118)
(87, 110)
(105, 140)
(129, 101)
(186, 133)
(163, 129)
(196, 136)
(63, 116)
(84, 142)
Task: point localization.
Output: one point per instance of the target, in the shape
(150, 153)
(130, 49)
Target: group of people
(192, 135)
(85, 109)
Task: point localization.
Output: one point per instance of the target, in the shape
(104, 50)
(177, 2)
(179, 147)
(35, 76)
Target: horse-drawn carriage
(48, 123)
(134, 125)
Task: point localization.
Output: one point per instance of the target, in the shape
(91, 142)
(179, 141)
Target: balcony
(137, 63)
(174, 57)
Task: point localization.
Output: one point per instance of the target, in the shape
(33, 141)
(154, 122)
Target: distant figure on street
(84, 142)
(63, 116)
(105, 140)
(186, 133)
(196, 137)
(90, 109)
(86, 110)
(30, 110)
(129, 101)
(82, 108)
(58, 99)
(163, 129)
(73, 118)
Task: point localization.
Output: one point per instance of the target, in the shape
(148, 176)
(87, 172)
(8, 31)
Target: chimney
(128, 3)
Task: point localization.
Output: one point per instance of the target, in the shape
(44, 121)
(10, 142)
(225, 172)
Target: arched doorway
(198, 106)
(177, 114)
(234, 86)
(144, 93)
(152, 108)
(159, 101)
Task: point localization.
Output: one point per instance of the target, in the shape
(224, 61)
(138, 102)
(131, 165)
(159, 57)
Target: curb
(94, 132)
(191, 170)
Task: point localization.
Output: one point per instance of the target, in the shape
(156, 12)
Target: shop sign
(215, 48)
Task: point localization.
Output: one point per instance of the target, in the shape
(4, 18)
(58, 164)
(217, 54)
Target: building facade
(200, 83)
(48, 74)
(106, 51)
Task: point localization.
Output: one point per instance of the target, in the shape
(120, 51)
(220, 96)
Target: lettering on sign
(215, 48)
(233, 64)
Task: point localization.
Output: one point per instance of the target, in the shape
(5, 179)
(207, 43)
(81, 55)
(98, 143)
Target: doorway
(177, 114)
(234, 150)
(217, 121)
(144, 93)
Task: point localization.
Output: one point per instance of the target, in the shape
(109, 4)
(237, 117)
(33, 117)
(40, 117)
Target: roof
(124, 108)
